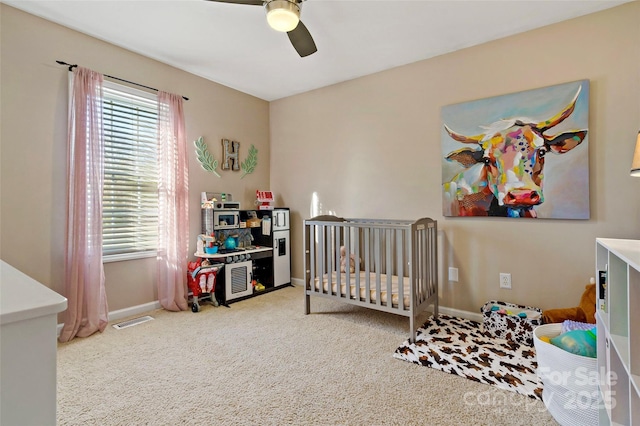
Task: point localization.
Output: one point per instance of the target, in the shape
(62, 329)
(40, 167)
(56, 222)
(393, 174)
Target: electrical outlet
(505, 280)
(453, 274)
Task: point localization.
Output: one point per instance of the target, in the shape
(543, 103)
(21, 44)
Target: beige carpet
(263, 362)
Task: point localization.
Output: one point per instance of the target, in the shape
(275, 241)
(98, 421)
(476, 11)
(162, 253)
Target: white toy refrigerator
(275, 223)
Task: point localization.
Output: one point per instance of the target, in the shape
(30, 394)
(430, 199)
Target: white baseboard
(134, 310)
(127, 312)
(441, 309)
(458, 313)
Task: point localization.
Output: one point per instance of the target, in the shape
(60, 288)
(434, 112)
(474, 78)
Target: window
(130, 200)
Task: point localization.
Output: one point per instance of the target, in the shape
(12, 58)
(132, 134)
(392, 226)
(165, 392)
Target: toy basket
(570, 382)
(510, 326)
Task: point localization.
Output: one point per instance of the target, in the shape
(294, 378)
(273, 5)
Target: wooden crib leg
(307, 304)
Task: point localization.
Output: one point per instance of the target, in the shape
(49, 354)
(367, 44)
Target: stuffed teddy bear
(343, 261)
(585, 312)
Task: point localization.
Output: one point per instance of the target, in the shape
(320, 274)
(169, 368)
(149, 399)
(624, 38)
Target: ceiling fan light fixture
(283, 15)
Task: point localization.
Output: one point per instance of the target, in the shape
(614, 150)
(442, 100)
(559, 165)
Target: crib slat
(358, 266)
(308, 275)
(311, 233)
(323, 257)
(335, 251)
(400, 268)
(410, 260)
(367, 265)
(422, 239)
(416, 268)
(378, 264)
(388, 235)
(334, 263)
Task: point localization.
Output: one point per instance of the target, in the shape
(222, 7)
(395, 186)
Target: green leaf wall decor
(249, 165)
(205, 158)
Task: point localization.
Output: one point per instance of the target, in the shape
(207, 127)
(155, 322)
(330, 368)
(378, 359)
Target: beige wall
(370, 147)
(33, 145)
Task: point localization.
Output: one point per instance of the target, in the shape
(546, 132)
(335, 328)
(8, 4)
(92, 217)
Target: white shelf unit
(618, 321)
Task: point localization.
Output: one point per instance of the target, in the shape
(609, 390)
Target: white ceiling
(233, 45)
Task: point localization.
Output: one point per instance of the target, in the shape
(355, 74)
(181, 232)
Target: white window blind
(130, 200)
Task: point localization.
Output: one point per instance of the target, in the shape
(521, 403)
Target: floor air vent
(132, 322)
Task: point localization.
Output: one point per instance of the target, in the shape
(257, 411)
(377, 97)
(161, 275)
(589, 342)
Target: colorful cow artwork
(501, 170)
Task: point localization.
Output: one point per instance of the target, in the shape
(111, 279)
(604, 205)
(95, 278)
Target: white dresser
(28, 345)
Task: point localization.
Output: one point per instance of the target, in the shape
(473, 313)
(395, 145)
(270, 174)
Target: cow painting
(502, 168)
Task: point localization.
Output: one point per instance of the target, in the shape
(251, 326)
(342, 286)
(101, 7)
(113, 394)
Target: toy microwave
(226, 219)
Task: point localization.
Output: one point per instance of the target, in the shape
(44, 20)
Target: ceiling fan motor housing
(283, 15)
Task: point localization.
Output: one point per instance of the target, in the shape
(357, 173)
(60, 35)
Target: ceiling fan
(284, 16)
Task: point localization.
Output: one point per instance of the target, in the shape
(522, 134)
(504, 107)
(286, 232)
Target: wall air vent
(132, 322)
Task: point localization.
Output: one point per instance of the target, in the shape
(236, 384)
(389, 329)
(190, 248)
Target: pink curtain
(173, 211)
(87, 310)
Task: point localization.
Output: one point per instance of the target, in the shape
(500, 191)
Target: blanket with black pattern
(459, 346)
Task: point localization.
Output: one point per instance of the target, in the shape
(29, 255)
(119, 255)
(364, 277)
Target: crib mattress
(363, 291)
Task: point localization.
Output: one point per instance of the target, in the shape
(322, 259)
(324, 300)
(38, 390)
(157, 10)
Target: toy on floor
(258, 286)
(584, 312)
(503, 311)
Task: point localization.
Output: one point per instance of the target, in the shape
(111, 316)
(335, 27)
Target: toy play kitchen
(251, 246)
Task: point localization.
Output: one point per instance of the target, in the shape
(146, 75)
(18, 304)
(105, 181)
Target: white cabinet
(618, 321)
(28, 317)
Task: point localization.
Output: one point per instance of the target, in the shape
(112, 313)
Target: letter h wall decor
(521, 155)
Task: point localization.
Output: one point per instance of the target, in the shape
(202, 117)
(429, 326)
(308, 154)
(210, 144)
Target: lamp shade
(283, 15)
(635, 164)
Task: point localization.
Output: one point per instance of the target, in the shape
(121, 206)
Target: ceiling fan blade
(302, 41)
(248, 2)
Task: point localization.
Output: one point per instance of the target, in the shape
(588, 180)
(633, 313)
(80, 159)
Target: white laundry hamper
(570, 386)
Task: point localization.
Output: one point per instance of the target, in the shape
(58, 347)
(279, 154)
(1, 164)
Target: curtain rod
(71, 67)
